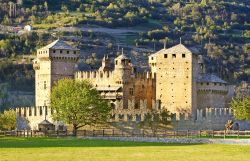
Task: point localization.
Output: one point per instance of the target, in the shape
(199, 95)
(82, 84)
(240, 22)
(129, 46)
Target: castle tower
(176, 70)
(123, 68)
(106, 65)
(54, 61)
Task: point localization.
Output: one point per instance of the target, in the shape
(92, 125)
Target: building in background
(177, 81)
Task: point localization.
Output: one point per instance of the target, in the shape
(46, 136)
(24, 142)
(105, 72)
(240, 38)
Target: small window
(165, 55)
(215, 84)
(67, 52)
(131, 91)
(207, 83)
(54, 51)
(74, 52)
(201, 83)
(60, 51)
(44, 85)
(183, 55)
(173, 55)
(116, 62)
(152, 58)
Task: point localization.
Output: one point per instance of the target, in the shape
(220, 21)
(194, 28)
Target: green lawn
(29, 149)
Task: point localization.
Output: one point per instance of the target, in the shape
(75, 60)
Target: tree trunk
(75, 130)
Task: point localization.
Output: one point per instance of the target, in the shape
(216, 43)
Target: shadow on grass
(14, 142)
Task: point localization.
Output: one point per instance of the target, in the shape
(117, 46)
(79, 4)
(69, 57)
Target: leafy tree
(155, 120)
(241, 108)
(78, 103)
(3, 97)
(8, 120)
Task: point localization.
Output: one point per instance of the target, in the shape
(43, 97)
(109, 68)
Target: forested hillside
(219, 28)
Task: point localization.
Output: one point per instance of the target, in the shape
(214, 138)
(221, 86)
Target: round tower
(123, 68)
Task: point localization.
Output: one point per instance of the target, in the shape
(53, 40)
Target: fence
(132, 133)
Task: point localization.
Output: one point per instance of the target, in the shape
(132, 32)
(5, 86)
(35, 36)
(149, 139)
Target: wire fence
(130, 133)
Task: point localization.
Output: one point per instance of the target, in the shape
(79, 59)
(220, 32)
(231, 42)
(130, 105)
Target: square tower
(55, 61)
(176, 70)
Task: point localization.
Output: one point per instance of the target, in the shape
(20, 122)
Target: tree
(155, 120)
(8, 120)
(78, 103)
(3, 97)
(46, 6)
(241, 108)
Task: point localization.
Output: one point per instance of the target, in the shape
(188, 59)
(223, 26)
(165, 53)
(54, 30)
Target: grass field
(46, 149)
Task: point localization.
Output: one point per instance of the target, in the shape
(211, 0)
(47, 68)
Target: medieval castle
(177, 81)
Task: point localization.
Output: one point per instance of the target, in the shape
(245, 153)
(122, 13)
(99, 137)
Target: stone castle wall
(209, 118)
(139, 86)
(211, 95)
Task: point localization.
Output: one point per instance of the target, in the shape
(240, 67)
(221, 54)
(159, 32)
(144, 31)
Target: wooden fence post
(103, 132)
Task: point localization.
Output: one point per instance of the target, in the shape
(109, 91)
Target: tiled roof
(45, 122)
(107, 88)
(210, 78)
(177, 49)
(122, 57)
(60, 44)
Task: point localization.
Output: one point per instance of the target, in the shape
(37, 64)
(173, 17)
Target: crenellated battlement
(38, 111)
(145, 75)
(133, 112)
(93, 74)
(108, 74)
